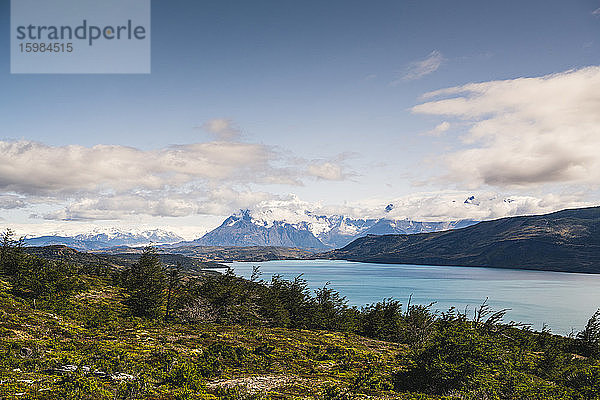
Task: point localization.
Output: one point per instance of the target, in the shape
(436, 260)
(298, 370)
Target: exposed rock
(120, 376)
(25, 352)
(65, 369)
(254, 384)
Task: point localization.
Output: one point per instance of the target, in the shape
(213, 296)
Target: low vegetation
(567, 241)
(83, 331)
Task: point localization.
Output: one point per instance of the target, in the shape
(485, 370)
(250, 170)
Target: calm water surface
(563, 301)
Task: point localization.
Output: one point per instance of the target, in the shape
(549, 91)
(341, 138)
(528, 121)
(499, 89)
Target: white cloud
(223, 129)
(326, 170)
(216, 201)
(439, 130)
(110, 182)
(524, 132)
(35, 168)
(130, 206)
(426, 206)
(450, 205)
(418, 69)
(596, 11)
(87, 214)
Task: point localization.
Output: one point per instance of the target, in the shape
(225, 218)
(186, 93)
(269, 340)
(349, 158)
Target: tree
(589, 338)
(145, 282)
(11, 254)
(44, 279)
(286, 302)
(383, 320)
(330, 311)
(174, 282)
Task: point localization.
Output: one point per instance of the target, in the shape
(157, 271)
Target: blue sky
(325, 91)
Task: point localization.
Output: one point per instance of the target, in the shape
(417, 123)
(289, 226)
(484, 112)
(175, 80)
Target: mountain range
(246, 228)
(567, 240)
(106, 238)
(310, 231)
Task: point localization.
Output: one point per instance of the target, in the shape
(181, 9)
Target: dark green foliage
(382, 320)
(449, 361)
(174, 282)
(484, 359)
(34, 277)
(286, 303)
(584, 379)
(329, 310)
(225, 298)
(222, 298)
(418, 324)
(78, 386)
(11, 254)
(185, 375)
(386, 321)
(145, 282)
(38, 278)
(590, 336)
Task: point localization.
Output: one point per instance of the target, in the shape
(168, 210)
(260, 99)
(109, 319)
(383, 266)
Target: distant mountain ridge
(311, 231)
(71, 242)
(106, 238)
(567, 240)
(116, 237)
(246, 228)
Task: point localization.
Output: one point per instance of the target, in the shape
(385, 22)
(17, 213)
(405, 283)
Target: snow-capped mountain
(241, 229)
(117, 237)
(310, 231)
(297, 228)
(105, 238)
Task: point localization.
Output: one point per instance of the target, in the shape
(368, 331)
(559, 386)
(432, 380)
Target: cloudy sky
(339, 106)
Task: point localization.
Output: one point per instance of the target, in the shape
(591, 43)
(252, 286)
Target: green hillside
(567, 241)
(68, 331)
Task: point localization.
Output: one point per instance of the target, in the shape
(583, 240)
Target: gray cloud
(35, 168)
(215, 201)
(11, 202)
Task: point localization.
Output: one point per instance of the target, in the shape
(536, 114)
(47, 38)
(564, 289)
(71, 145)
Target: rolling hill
(567, 240)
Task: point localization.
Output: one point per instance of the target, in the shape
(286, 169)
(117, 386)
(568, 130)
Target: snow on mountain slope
(304, 229)
(242, 229)
(104, 238)
(118, 237)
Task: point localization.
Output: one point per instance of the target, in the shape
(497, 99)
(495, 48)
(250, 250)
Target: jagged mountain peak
(110, 235)
(99, 238)
(305, 229)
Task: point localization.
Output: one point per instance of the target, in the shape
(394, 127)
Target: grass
(176, 360)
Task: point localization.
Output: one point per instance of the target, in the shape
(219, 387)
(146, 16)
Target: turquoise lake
(563, 301)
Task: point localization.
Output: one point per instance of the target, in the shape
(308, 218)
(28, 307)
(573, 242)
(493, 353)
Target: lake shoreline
(542, 269)
(562, 300)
